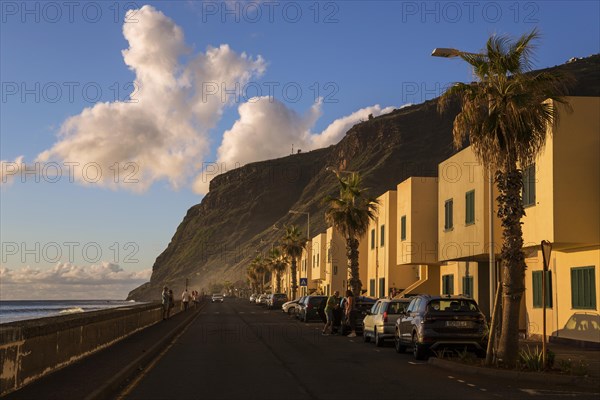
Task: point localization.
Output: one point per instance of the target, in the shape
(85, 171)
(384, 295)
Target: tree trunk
(294, 280)
(510, 212)
(278, 277)
(352, 254)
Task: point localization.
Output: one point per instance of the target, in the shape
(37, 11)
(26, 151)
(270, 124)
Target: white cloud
(163, 132)
(267, 129)
(10, 170)
(69, 281)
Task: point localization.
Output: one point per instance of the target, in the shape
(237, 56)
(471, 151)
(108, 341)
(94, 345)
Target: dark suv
(433, 322)
(276, 300)
(312, 308)
(361, 306)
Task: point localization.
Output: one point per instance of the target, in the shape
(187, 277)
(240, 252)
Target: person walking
(165, 302)
(333, 303)
(349, 312)
(171, 303)
(185, 299)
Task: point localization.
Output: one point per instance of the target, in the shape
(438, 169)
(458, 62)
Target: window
(335, 269)
(448, 206)
(372, 239)
(583, 288)
(381, 287)
(467, 283)
(470, 207)
(372, 287)
(403, 227)
(529, 186)
(448, 284)
(536, 283)
(382, 241)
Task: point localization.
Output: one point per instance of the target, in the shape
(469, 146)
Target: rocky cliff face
(219, 237)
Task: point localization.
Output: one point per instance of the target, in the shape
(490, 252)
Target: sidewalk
(587, 360)
(100, 375)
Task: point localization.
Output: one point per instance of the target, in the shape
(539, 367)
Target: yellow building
(464, 229)
(417, 234)
(562, 202)
(305, 272)
(318, 265)
(384, 275)
(336, 263)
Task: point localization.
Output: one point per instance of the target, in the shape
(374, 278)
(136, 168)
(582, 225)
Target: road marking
(470, 384)
(379, 351)
(460, 380)
(216, 312)
(544, 392)
(252, 312)
(241, 312)
(483, 390)
(422, 363)
(450, 376)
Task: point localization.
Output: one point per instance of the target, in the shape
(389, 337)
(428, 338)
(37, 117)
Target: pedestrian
(349, 312)
(185, 299)
(333, 303)
(165, 302)
(171, 303)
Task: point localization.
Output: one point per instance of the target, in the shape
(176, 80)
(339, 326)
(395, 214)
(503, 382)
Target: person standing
(349, 312)
(333, 303)
(165, 302)
(185, 299)
(171, 303)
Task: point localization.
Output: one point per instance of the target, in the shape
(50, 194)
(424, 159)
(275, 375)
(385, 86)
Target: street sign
(303, 281)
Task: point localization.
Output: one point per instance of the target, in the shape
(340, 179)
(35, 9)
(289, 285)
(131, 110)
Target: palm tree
(292, 244)
(260, 267)
(504, 116)
(252, 277)
(278, 263)
(350, 214)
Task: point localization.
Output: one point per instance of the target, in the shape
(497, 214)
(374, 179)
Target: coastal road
(238, 350)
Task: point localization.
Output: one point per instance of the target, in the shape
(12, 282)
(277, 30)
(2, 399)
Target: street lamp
(308, 222)
(546, 251)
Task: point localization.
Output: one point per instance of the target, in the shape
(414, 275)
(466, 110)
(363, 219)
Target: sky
(115, 115)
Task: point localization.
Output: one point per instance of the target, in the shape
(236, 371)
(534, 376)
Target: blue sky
(359, 57)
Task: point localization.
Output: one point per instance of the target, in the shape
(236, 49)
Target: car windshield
(452, 305)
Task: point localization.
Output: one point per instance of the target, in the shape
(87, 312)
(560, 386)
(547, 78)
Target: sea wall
(34, 348)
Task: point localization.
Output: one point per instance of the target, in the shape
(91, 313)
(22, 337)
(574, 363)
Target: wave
(71, 310)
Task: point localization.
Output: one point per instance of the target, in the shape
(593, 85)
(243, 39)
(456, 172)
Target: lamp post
(451, 53)
(308, 222)
(546, 251)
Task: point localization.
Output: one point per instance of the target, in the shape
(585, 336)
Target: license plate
(457, 324)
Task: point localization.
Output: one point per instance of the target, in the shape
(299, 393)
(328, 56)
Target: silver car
(380, 322)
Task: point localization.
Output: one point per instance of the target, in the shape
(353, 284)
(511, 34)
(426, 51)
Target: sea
(21, 310)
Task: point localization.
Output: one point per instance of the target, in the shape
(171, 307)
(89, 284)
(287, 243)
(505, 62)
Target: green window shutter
(381, 287)
(583, 288)
(536, 283)
(467, 282)
(372, 287)
(403, 227)
(448, 284)
(528, 190)
(382, 241)
(448, 209)
(470, 207)
(372, 238)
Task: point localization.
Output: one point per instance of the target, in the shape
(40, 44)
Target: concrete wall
(34, 348)
(306, 271)
(336, 265)
(319, 257)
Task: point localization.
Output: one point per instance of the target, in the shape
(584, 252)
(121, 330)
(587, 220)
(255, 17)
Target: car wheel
(366, 337)
(418, 350)
(378, 339)
(400, 348)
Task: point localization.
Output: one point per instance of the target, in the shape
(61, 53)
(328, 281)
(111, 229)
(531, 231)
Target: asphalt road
(238, 350)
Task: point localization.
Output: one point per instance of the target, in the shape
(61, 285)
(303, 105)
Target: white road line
(460, 380)
(450, 376)
(422, 363)
(483, 390)
(241, 312)
(216, 312)
(470, 384)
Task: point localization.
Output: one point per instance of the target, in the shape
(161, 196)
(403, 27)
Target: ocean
(30, 309)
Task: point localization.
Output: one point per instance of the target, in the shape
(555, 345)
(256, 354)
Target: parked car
(263, 299)
(259, 298)
(290, 306)
(380, 321)
(434, 322)
(276, 300)
(217, 298)
(362, 305)
(312, 308)
(253, 297)
(299, 307)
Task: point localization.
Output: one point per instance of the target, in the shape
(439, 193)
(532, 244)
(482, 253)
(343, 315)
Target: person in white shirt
(185, 299)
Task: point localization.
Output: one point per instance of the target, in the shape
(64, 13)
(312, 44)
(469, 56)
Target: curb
(536, 377)
(113, 385)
